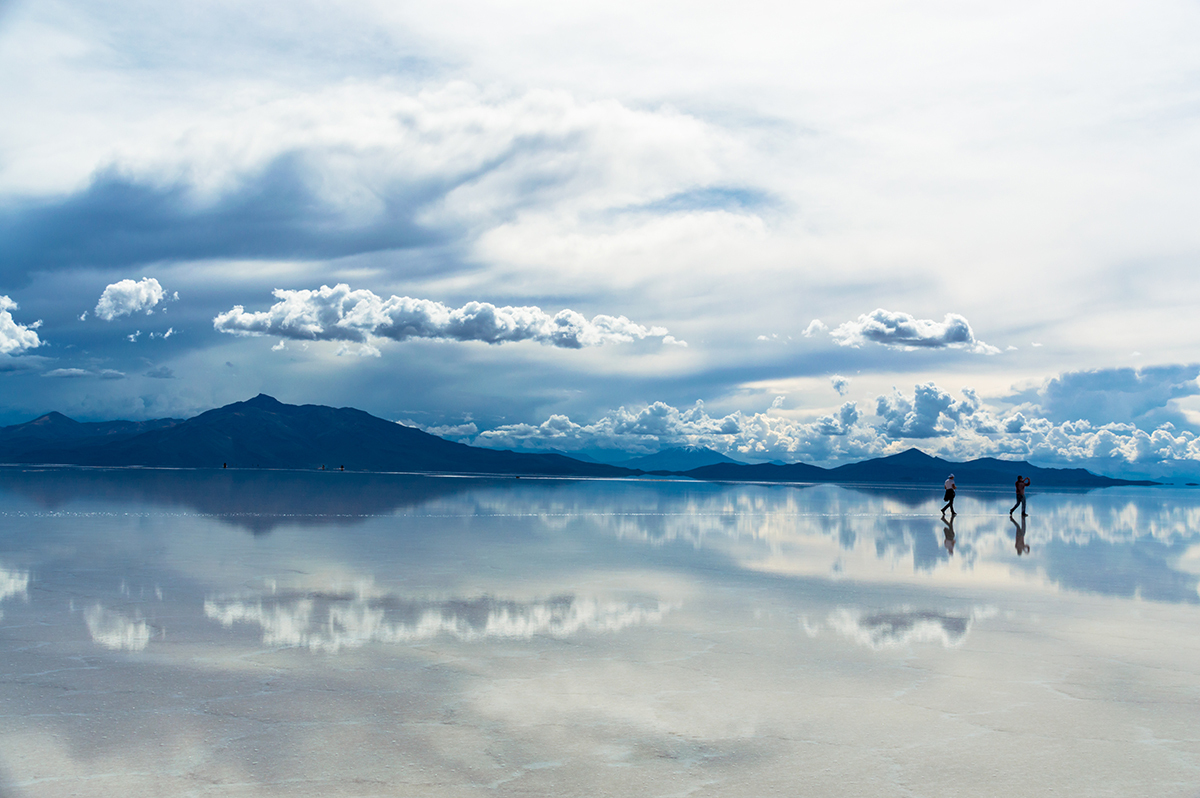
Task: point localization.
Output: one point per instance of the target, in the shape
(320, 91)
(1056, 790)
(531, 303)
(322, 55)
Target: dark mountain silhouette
(56, 431)
(265, 433)
(257, 501)
(915, 466)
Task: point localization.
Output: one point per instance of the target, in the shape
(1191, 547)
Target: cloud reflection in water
(13, 583)
(1130, 541)
(880, 630)
(114, 630)
(332, 621)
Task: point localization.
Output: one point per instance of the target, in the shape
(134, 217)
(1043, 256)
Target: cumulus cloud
(161, 373)
(126, 297)
(903, 331)
(841, 423)
(339, 313)
(930, 412)
(815, 326)
(15, 338)
(650, 428)
(840, 384)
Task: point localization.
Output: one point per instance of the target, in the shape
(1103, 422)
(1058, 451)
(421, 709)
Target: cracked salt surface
(495, 637)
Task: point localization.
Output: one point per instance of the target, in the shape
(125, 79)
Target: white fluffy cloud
(15, 338)
(342, 314)
(129, 296)
(903, 331)
(754, 436)
(930, 412)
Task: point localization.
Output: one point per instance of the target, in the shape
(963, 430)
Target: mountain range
(264, 433)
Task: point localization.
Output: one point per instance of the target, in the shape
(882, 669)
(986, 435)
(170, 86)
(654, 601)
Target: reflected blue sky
(1117, 541)
(268, 628)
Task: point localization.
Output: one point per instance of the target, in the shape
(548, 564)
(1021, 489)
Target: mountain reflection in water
(1118, 541)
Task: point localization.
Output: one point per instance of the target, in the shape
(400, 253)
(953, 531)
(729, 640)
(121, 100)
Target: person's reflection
(1020, 535)
(949, 534)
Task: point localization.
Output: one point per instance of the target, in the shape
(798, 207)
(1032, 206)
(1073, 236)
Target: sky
(785, 231)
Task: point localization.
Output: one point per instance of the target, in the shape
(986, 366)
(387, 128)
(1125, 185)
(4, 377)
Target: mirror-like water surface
(260, 634)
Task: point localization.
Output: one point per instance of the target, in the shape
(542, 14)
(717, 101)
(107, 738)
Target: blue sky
(795, 231)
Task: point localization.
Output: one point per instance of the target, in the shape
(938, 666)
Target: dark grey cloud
(840, 424)
(1121, 395)
(278, 212)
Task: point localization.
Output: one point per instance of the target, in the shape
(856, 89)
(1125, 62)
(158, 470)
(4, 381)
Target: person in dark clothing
(949, 497)
(1022, 484)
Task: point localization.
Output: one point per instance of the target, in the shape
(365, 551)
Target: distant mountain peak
(911, 455)
(53, 418)
(264, 401)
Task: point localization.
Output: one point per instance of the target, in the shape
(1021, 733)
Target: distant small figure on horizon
(1020, 536)
(343, 468)
(1022, 484)
(949, 497)
(224, 465)
(948, 532)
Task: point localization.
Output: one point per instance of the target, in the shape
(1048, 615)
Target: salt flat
(251, 634)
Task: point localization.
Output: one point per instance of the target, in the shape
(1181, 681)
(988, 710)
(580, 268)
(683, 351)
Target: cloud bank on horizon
(1137, 437)
(725, 176)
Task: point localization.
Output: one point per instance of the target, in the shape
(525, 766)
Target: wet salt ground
(192, 633)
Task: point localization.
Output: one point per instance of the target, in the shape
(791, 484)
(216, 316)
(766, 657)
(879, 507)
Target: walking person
(949, 497)
(1022, 484)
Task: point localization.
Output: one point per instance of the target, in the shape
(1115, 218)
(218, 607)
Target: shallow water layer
(262, 634)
